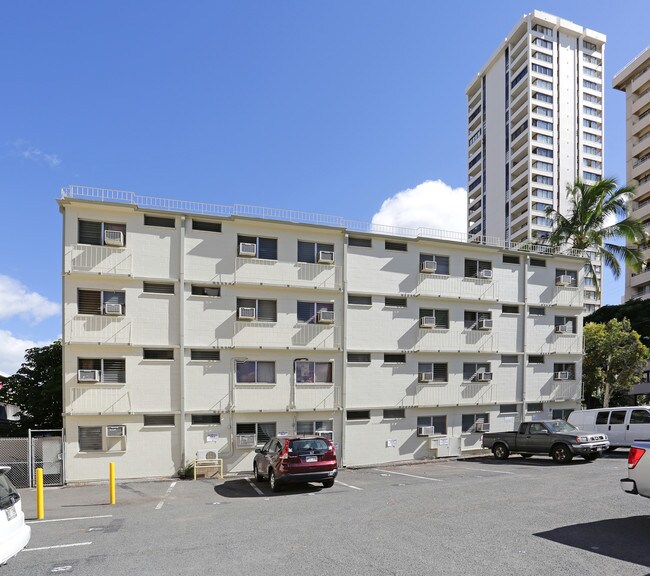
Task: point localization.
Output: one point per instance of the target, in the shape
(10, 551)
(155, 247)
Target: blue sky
(329, 107)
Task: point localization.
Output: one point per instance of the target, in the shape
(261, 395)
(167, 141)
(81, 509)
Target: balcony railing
(270, 335)
(447, 394)
(256, 271)
(98, 260)
(568, 296)
(562, 344)
(98, 329)
(456, 287)
(317, 397)
(556, 390)
(441, 340)
(90, 400)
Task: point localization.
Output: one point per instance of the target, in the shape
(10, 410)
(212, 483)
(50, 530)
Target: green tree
(636, 311)
(614, 360)
(37, 389)
(585, 227)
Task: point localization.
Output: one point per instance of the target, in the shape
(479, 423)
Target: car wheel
(500, 451)
(526, 455)
(256, 472)
(328, 483)
(591, 457)
(561, 454)
(275, 485)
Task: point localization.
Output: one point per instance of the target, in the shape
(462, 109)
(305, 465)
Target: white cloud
(431, 204)
(17, 300)
(12, 351)
(25, 150)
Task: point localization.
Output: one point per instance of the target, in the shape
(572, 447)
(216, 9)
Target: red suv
(287, 459)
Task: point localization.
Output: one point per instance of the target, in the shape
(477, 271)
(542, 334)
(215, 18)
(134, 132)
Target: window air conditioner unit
(115, 431)
(246, 313)
(428, 266)
(89, 375)
(247, 249)
(426, 431)
(485, 274)
(113, 309)
(207, 454)
(113, 238)
(325, 434)
(428, 322)
(246, 440)
(325, 257)
(484, 376)
(561, 329)
(561, 375)
(563, 280)
(325, 317)
(481, 427)
(425, 377)
(485, 324)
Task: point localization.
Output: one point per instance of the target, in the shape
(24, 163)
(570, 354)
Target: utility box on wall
(444, 446)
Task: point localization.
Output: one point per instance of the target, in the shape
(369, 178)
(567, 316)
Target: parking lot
(477, 516)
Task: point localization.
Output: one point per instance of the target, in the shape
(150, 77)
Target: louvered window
(439, 370)
(394, 413)
(309, 251)
(359, 357)
(90, 232)
(159, 221)
(159, 420)
(114, 371)
(89, 301)
(509, 259)
(359, 242)
(395, 302)
(205, 355)
(357, 415)
(395, 358)
(206, 226)
(157, 288)
(509, 359)
(90, 438)
(441, 316)
(264, 430)
(198, 419)
(266, 310)
(158, 354)
(396, 246)
(359, 300)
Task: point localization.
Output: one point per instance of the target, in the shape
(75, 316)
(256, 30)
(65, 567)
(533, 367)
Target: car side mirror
(544, 431)
(258, 450)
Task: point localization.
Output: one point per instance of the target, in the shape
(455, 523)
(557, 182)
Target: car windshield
(309, 444)
(8, 494)
(560, 426)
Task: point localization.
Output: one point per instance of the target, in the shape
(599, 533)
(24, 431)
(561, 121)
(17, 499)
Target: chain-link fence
(46, 453)
(14, 452)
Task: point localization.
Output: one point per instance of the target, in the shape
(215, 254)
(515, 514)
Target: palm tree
(585, 227)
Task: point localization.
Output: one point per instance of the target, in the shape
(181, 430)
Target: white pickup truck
(638, 470)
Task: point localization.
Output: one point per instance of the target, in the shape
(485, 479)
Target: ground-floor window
(476, 422)
(263, 430)
(439, 423)
(562, 413)
(310, 427)
(90, 438)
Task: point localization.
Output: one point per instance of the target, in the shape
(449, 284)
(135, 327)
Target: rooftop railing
(298, 217)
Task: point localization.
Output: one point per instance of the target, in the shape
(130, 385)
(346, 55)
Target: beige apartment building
(535, 122)
(634, 80)
(191, 326)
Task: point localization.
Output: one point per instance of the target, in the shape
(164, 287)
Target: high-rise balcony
(457, 287)
(441, 340)
(568, 296)
(447, 394)
(90, 259)
(270, 335)
(640, 81)
(95, 400)
(299, 274)
(91, 329)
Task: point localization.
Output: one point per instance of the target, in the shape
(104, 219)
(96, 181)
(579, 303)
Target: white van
(623, 425)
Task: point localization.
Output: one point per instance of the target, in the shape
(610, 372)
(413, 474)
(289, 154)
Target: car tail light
(634, 456)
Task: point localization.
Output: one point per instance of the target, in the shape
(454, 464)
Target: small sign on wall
(391, 443)
(212, 437)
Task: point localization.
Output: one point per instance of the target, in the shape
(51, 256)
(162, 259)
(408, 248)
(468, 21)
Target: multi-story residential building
(634, 80)
(535, 124)
(190, 326)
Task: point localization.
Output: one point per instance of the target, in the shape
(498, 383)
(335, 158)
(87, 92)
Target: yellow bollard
(112, 481)
(40, 508)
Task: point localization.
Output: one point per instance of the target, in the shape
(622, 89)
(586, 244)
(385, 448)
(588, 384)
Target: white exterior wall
(183, 387)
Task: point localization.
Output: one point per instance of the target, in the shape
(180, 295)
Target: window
(205, 355)
(544, 166)
(471, 369)
(394, 413)
(265, 310)
(310, 427)
(508, 259)
(591, 98)
(569, 322)
(158, 354)
(359, 300)
(313, 372)
(544, 139)
(359, 242)
(591, 150)
(112, 370)
(640, 417)
(543, 57)
(591, 137)
(473, 268)
(394, 358)
(543, 125)
(310, 251)
(543, 84)
(589, 45)
(359, 357)
(543, 97)
(570, 273)
(307, 312)
(159, 221)
(543, 30)
(591, 85)
(519, 77)
(442, 263)
(540, 206)
(101, 302)
(507, 409)
(542, 221)
(543, 43)
(97, 233)
(537, 311)
(397, 246)
(438, 370)
(198, 290)
(90, 438)
(251, 372)
(590, 176)
(509, 359)
(535, 359)
(543, 152)
(266, 248)
(472, 319)
(439, 423)
(440, 317)
(159, 420)
(157, 288)
(206, 226)
(543, 111)
(545, 70)
(358, 415)
(561, 413)
(539, 262)
(590, 124)
(507, 309)
(202, 419)
(264, 431)
(546, 194)
(541, 179)
(602, 417)
(569, 367)
(592, 111)
(395, 302)
(591, 72)
(535, 407)
(475, 422)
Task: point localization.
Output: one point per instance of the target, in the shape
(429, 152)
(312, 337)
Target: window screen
(508, 259)
(394, 413)
(159, 221)
(158, 419)
(267, 249)
(395, 302)
(509, 359)
(360, 357)
(90, 438)
(206, 355)
(198, 419)
(89, 301)
(508, 408)
(540, 262)
(535, 407)
(265, 431)
(358, 414)
(206, 226)
(157, 288)
(158, 353)
(90, 232)
(359, 300)
(114, 371)
(397, 246)
(505, 309)
(206, 290)
(359, 242)
(395, 358)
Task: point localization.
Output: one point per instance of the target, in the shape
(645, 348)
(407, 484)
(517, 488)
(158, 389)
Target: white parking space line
(69, 519)
(59, 546)
(254, 487)
(167, 493)
(409, 475)
(485, 470)
(348, 485)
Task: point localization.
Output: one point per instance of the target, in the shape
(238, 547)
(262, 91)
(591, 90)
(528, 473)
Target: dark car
(293, 459)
